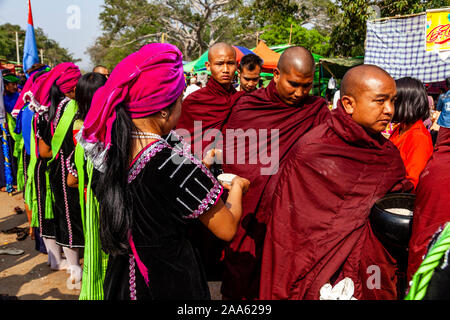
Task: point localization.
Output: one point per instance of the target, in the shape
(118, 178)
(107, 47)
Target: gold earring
(164, 115)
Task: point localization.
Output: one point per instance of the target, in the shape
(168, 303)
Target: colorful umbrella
(240, 52)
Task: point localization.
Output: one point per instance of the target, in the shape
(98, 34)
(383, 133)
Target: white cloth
(341, 291)
(332, 83)
(190, 89)
(336, 98)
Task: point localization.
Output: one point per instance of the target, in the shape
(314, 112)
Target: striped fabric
(398, 46)
(423, 275)
(95, 260)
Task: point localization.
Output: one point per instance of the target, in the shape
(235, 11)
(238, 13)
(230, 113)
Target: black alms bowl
(390, 228)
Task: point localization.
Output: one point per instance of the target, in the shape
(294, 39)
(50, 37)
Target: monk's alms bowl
(391, 219)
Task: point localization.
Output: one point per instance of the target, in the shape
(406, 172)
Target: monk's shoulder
(251, 100)
(318, 136)
(196, 96)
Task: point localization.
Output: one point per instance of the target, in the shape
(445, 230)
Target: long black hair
(85, 89)
(116, 216)
(56, 96)
(412, 101)
(111, 191)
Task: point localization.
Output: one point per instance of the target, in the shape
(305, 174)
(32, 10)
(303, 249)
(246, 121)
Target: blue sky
(60, 21)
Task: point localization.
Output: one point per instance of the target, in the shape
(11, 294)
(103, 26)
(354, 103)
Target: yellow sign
(438, 30)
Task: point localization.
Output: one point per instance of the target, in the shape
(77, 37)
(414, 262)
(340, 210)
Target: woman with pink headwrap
(59, 220)
(149, 186)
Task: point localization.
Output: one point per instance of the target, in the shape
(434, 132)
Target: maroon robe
(432, 201)
(319, 228)
(211, 105)
(261, 109)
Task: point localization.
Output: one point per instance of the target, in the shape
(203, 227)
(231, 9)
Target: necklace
(143, 135)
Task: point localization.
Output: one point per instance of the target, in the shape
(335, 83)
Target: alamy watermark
(74, 20)
(235, 146)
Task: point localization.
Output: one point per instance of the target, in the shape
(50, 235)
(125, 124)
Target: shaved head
(294, 75)
(358, 78)
(368, 94)
(222, 63)
(297, 58)
(219, 48)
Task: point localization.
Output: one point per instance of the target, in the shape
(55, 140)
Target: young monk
(286, 107)
(319, 231)
(211, 104)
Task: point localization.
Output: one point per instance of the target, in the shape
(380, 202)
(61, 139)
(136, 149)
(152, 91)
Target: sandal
(23, 234)
(12, 251)
(14, 230)
(18, 210)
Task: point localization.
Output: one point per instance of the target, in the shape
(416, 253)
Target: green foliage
(53, 53)
(310, 39)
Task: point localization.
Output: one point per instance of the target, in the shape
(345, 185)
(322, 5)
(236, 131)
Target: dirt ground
(27, 276)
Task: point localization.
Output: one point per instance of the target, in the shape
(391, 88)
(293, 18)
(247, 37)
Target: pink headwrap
(20, 102)
(66, 76)
(146, 81)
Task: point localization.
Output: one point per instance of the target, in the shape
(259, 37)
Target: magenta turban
(66, 76)
(146, 82)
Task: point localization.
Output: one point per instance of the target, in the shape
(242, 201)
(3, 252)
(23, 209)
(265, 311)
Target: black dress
(46, 226)
(66, 204)
(167, 187)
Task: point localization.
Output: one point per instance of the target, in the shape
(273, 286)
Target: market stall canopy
(337, 67)
(270, 58)
(282, 47)
(189, 66)
(240, 52)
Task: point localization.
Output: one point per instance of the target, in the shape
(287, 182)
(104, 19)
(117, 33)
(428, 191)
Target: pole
(17, 47)
(290, 35)
(42, 55)
(257, 38)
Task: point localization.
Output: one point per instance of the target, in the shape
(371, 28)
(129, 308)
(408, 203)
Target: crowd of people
(123, 170)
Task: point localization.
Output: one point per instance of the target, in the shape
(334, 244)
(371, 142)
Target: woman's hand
(238, 182)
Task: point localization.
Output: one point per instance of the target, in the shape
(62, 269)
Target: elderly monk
(210, 105)
(277, 116)
(432, 201)
(319, 231)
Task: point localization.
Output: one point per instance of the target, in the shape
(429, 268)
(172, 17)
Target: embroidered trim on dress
(66, 202)
(216, 191)
(132, 280)
(144, 158)
(213, 195)
(71, 167)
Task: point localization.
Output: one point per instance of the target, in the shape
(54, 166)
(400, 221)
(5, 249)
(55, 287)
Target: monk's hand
(239, 182)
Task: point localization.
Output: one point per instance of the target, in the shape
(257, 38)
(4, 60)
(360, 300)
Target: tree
(53, 53)
(192, 25)
(312, 39)
(348, 36)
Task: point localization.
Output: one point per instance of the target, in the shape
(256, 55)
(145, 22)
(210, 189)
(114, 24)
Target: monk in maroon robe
(262, 128)
(431, 209)
(211, 105)
(205, 111)
(319, 230)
